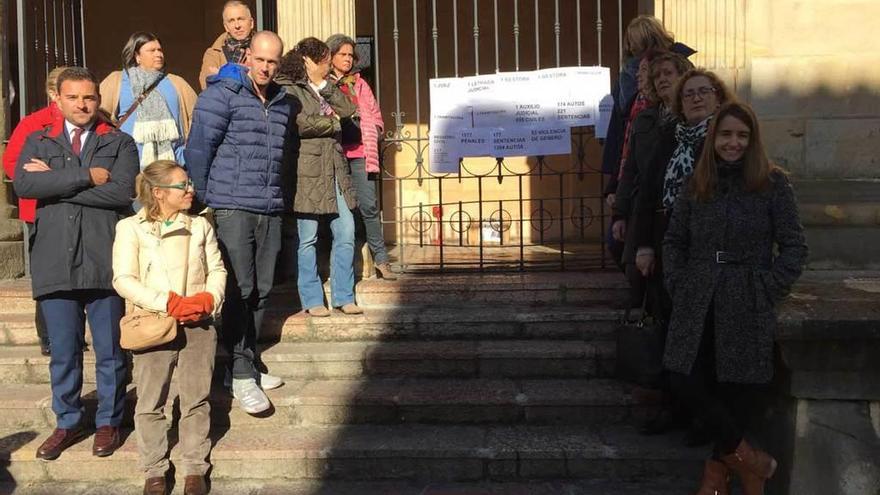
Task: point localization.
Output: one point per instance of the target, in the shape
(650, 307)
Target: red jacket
(34, 122)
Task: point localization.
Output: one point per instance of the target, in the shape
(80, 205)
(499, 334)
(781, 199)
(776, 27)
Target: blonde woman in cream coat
(149, 259)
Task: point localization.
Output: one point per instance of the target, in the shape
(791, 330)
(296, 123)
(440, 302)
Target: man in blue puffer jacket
(243, 133)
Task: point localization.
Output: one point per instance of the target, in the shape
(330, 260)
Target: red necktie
(77, 142)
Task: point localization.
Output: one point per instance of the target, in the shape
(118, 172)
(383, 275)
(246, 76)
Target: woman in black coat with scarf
(662, 168)
(725, 281)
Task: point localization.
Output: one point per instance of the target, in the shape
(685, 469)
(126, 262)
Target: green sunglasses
(181, 186)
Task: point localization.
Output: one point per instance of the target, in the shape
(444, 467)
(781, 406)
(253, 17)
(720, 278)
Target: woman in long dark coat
(324, 191)
(725, 281)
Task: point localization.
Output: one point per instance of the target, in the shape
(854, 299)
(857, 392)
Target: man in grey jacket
(81, 171)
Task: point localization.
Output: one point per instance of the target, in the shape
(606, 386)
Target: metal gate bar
(431, 212)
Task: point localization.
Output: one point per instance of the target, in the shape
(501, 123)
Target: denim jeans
(249, 243)
(311, 292)
(368, 205)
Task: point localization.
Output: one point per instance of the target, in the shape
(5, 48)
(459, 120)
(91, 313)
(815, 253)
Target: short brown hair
(757, 168)
(76, 74)
(682, 64)
(721, 91)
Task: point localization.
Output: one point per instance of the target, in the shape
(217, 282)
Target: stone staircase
(450, 384)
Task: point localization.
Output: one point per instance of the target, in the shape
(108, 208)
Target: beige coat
(212, 59)
(146, 267)
(186, 98)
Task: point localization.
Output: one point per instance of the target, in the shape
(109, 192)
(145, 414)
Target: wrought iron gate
(47, 34)
(536, 213)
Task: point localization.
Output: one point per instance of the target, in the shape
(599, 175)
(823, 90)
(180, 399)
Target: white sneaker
(250, 396)
(269, 382)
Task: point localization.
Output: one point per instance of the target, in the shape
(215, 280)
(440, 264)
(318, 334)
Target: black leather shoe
(58, 441)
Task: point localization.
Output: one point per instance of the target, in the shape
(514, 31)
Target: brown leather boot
(155, 486)
(715, 478)
(754, 467)
(194, 484)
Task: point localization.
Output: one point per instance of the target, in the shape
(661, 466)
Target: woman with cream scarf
(160, 123)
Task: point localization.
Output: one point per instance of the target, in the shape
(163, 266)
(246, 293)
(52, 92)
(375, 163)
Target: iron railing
(546, 213)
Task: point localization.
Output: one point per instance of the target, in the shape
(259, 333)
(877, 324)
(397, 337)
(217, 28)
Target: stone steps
(514, 289)
(377, 452)
(657, 486)
(403, 323)
(387, 401)
(458, 384)
(355, 360)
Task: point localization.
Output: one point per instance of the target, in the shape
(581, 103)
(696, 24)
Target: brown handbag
(144, 329)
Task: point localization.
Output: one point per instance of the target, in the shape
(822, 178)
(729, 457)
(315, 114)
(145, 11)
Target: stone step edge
(371, 350)
(393, 392)
(654, 486)
(490, 442)
(423, 313)
(610, 279)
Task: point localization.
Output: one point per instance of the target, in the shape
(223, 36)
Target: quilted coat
(721, 252)
(320, 155)
(238, 146)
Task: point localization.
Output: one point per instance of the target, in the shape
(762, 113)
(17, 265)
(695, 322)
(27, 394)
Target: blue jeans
(311, 292)
(368, 206)
(66, 314)
(249, 243)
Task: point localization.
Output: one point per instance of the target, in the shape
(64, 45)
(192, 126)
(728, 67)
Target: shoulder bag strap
(139, 100)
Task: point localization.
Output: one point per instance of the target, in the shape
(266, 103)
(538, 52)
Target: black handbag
(640, 344)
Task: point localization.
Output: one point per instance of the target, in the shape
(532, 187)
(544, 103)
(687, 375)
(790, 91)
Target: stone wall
(810, 68)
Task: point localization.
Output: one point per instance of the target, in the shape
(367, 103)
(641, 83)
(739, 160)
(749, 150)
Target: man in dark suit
(81, 171)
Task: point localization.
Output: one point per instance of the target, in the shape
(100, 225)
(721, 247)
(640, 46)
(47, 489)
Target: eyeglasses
(181, 186)
(703, 92)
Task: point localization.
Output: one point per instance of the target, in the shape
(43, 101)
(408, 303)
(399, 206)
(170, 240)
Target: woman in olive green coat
(323, 186)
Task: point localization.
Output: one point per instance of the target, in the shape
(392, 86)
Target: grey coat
(72, 238)
(746, 226)
(321, 159)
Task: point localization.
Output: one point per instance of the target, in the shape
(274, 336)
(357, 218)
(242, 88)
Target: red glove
(178, 308)
(205, 302)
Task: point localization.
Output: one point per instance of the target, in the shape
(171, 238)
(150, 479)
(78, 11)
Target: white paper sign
(514, 113)
(447, 119)
(519, 141)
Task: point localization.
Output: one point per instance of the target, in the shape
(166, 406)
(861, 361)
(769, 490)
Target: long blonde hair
(644, 33)
(154, 174)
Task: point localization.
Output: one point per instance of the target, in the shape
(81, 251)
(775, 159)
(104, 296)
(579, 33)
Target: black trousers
(724, 407)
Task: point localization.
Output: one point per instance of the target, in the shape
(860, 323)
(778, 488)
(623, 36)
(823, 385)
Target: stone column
(11, 248)
(298, 19)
